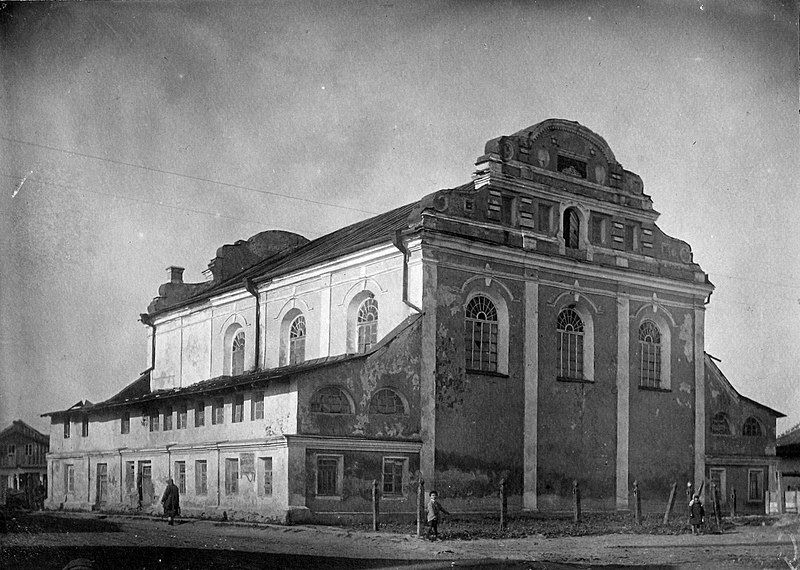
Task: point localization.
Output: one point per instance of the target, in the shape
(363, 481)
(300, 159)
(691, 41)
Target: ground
(51, 540)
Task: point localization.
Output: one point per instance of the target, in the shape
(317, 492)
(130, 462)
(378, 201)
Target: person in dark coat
(696, 515)
(171, 501)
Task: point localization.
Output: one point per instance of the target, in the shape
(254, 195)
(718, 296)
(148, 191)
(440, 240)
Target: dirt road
(51, 540)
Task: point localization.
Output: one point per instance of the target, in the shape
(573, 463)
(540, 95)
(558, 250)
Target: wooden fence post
(375, 499)
(420, 506)
(576, 502)
(670, 503)
(733, 502)
(503, 505)
(637, 503)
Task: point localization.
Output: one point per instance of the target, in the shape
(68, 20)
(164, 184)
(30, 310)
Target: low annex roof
(20, 427)
(139, 390)
(710, 363)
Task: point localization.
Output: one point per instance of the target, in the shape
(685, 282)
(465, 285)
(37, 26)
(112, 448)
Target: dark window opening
(572, 166)
(572, 227)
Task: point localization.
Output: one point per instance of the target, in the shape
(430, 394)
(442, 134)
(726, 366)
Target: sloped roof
(138, 392)
(790, 438)
(20, 427)
(710, 363)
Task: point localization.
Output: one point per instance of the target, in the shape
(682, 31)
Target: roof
(20, 427)
(138, 392)
(790, 438)
(710, 363)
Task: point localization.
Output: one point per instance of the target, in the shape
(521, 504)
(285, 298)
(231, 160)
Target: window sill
(654, 389)
(328, 497)
(486, 373)
(574, 380)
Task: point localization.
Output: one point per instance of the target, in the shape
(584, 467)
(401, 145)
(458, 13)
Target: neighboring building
(740, 445)
(23, 457)
(533, 324)
(788, 452)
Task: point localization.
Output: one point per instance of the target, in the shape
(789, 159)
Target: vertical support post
(670, 502)
(781, 494)
(375, 499)
(796, 501)
(638, 503)
(420, 506)
(576, 502)
(503, 505)
(733, 502)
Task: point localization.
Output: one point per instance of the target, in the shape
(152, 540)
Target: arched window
(751, 427)
(237, 354)
(570, 345)
(480, 334)
(331, 400)
(367, 324)
(297, 340)
(720, 425)
(650, 348)
(572, 228)
(387, 401)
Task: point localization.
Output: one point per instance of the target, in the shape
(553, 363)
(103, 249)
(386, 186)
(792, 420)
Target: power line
(187, 176)
(109, 194)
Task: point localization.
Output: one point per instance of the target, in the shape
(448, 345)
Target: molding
(331, 443)
(362, 282)
(740, 460)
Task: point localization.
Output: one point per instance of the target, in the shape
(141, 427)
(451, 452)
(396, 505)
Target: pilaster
(623, 399)
(699, 396)
(428, 373)
(531, 424)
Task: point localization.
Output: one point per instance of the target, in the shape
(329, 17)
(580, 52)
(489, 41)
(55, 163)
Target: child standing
(434, 509)
(696, 514)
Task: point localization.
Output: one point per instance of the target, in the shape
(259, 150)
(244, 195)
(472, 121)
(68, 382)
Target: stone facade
(532, 325)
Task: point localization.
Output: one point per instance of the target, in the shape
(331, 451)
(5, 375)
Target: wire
(187, 176)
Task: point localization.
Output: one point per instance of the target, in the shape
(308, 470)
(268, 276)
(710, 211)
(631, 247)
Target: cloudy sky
(134, 136)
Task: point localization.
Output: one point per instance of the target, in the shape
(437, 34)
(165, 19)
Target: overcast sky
(141, 135)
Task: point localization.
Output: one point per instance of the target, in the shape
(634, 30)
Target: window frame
(218, 412)
(397, 396)
(752, 421)
(403, 463)
(366, 326)
(651, 379)
(200, 414)
(237, 409)
(125, 423)
(232, 483)
(182, 416)
(167, 422)
(348, 401)
(760, 478)
(475, 306)
(67, 428)
(265, 476)
(723, 484)
(238, 347)
(69, 478)
(723, 416)
(339, 458)
(155, 419)
(257, 406)
(297, 341)
(200, 477)
(180, 476)
(85, 426)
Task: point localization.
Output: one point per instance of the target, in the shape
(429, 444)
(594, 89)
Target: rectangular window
(755, 485)
(180, 476)
(154, 420)
(265, 476)
(28, 449)
(218, 412)
(200, 414)
(717, 476)
(237, 409)
(85, 427)
(630, 242)
(67, 428)
(181, 416)
(168, 419)
(69, 479)
(200, 477)
(328, 475)
(231, 476)
(125, 423)
(257, 406)
(571, 166)
(393, 468)
(543, 218)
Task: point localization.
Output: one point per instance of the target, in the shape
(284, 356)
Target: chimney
(175, 274)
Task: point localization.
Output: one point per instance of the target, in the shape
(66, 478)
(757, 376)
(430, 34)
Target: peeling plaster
(687, 337)
(686, 387)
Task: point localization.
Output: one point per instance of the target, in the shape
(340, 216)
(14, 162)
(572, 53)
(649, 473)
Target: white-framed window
(331, 400)
(755, 485)
(69, 478)
(180, 476)
(231, 476)
(394, 475)
(718, 476)
(237, 409)
(751, 427)
(329, 474)
(237, 354)
(720, 424)
(265, 476)
(200, 477)
(367, 324)
(297, 340)
(257, 406)
(218, 412)
(387, 401)
(650, 355)
(481, 334)
(569, 326)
